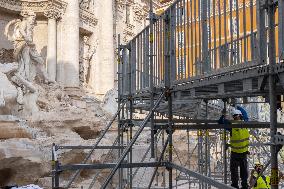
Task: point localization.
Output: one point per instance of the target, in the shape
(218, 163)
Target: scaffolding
(191, 62)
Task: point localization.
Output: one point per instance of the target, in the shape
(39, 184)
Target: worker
(262, 182)
(239, 141)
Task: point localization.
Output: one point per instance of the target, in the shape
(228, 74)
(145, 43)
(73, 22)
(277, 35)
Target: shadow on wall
(43, 52)
(20, 171)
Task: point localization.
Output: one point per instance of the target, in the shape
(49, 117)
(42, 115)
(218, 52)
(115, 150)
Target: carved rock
(9, 94)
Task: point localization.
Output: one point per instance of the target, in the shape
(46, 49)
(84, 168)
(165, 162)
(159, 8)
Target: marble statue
(25, 51)
(8, 91)
(86, 54)
(28, 62)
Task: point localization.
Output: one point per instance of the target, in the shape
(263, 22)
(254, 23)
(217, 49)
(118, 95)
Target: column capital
(52, 14)
(55, 9)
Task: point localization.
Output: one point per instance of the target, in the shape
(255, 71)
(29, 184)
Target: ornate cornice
(88, 18)
(50, 8)
(55, 9)
(37, 6)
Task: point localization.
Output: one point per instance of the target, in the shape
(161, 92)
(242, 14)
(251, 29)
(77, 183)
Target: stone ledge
(10, 128)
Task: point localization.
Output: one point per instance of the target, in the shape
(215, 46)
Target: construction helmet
(236, 112)
(258, 166)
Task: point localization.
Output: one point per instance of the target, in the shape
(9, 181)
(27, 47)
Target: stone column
(52, 47)
(70, 43)
(106, 73)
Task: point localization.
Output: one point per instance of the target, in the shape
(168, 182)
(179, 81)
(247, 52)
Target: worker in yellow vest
(262, 182)
(239, 142)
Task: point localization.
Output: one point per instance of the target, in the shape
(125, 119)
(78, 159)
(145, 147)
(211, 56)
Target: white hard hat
(236, 112)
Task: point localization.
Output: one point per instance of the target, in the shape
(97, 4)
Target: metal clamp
(279, 139)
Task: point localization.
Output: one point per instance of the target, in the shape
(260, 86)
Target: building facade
(77, 38)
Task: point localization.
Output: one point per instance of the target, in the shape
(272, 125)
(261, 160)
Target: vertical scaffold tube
(168, 47)
(130, 107)
(151, 38)
(119, 102)
(272, 96)
(225, 147)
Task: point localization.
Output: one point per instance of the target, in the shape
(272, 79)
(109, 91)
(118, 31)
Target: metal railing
(203, 36)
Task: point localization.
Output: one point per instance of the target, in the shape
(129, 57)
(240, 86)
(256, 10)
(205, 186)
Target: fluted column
(52, 47)
(70, 43)
(54, 12)
(106, 73)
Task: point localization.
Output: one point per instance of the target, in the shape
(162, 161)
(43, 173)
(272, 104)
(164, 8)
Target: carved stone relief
(35, 6)
(51, 9)
(88, 18)
(86, 54)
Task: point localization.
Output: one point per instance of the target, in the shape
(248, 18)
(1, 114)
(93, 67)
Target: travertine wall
(4, 19)
(125, 17)
(40, 37)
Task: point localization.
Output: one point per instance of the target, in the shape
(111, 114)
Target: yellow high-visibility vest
(239, 140)
(262, 184)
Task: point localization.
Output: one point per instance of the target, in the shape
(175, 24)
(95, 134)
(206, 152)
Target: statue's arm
(10, 24)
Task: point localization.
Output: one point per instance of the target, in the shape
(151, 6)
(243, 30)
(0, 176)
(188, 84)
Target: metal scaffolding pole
(55, 171)
(188, 157)
(130, 125)
(272, 96)
(169, 44)
(159, 161)
(225, 147)
(135, 137)
(151, 16)
(119, 129)
(207, 147)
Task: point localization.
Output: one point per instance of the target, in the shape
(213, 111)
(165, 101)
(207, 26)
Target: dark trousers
(239, 160)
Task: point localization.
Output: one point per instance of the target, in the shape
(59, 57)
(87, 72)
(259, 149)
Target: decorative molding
(19, 5)
(88, 18)
(40, 6)
(121, 4)
(55, 9)
(130, 27)
(127, 35)
(140, 13)
(50, 8)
